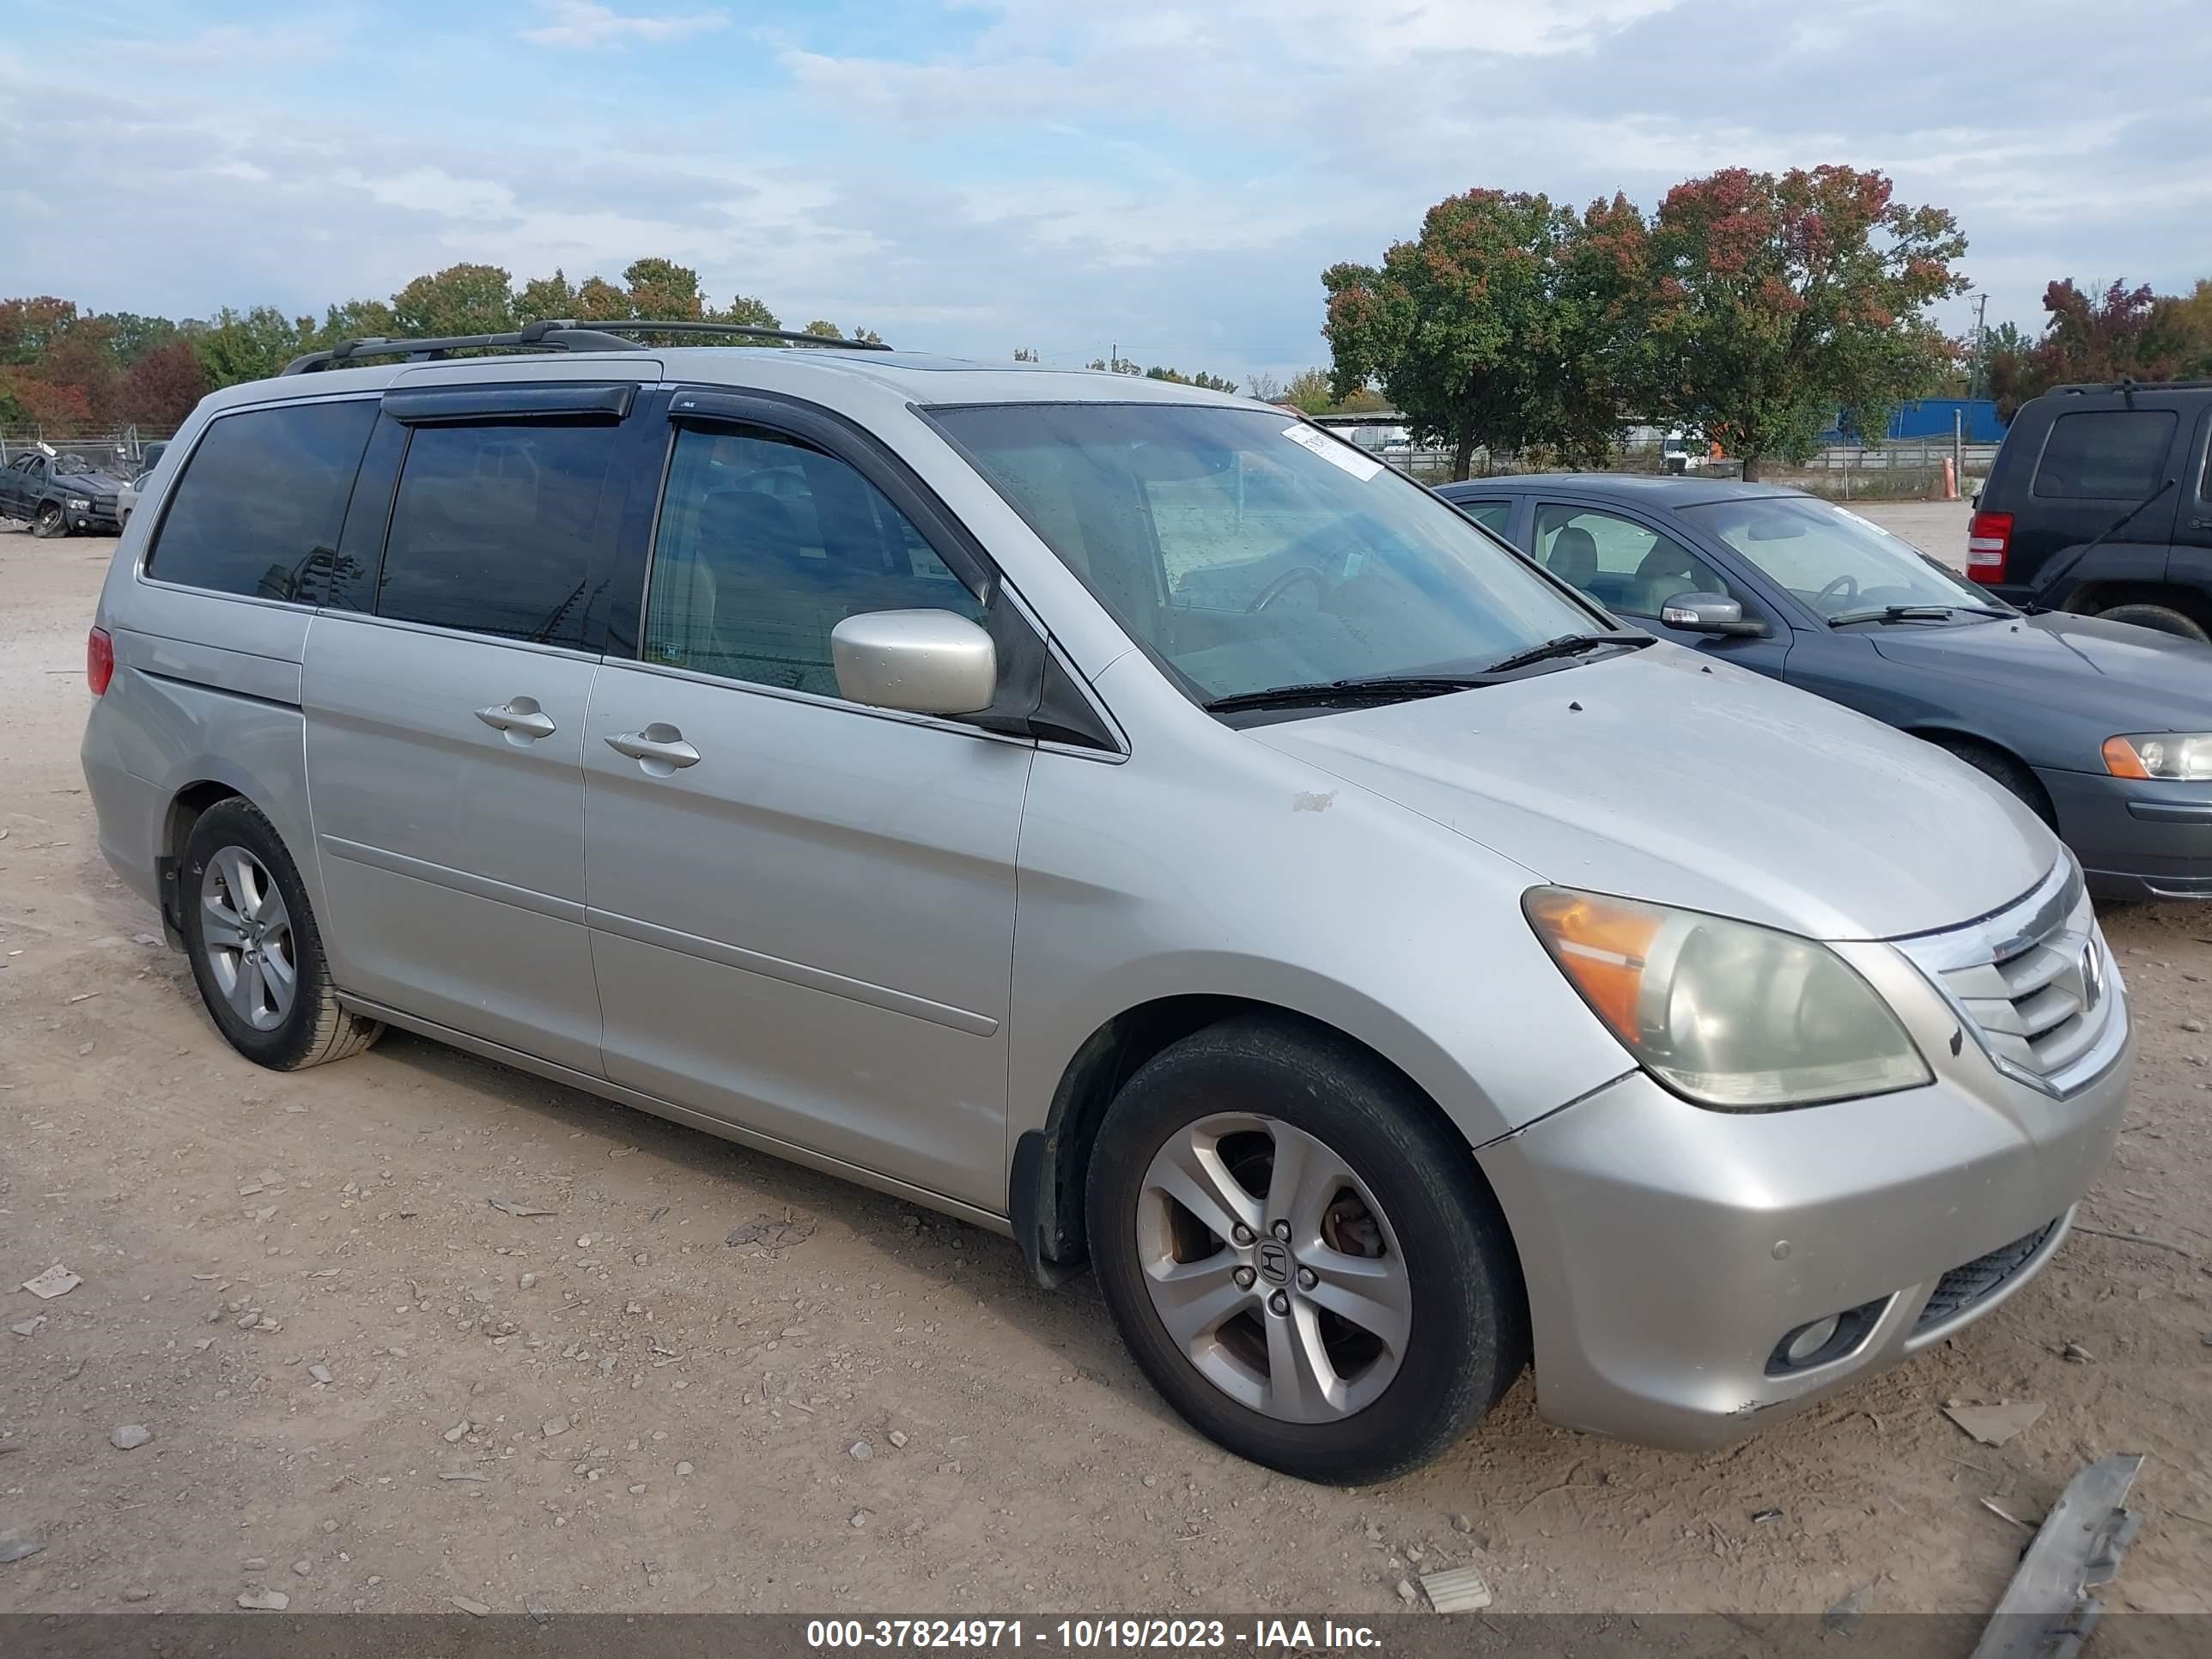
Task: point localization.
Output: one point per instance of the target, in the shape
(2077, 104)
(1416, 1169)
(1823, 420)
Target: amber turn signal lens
(2122, 761)
(1601, 944)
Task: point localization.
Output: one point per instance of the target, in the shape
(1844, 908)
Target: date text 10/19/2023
(1084, 1635)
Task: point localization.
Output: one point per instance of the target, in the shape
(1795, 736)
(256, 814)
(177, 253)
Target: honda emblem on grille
(2092, 976)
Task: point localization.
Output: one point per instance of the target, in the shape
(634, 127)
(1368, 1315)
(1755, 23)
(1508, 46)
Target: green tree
(545, 299)
(1210, 382)
(1461, 327)
(358, 319)
(463, 299)
(748, 313)
(251, 345)
(1780, 302)
(135, 335)
(1310, 389)
(1265, 387)
(599, 301)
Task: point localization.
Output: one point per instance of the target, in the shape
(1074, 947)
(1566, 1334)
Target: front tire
(256, 951)
(49, 522)
(1302, 1258)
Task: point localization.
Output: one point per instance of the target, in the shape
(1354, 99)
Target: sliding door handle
(660, 745)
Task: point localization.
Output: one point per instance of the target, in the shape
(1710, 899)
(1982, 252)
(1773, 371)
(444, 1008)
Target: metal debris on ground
(57, 1280)
(511, 1207)
(20, 1543)
(1457, 1589)
(129, 1437)
(28, 1326)
(770, 1233)
(466, 1605)
(1995, 1425)
(265, 1601)
(2047, 1607)
(1844, 1613)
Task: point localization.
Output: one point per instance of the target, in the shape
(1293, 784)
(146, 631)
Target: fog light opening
(1822, 1341)
(1809, 1339)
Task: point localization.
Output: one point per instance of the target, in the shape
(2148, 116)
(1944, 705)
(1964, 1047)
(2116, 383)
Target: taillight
(99, 661)
(1989, 545)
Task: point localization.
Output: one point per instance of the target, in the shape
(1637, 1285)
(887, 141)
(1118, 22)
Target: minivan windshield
(1840, 565)
(1245, 550)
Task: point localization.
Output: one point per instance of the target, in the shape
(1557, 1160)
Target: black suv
(2099, 503)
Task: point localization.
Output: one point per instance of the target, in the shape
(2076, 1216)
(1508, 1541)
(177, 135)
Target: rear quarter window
(262, 499)
(2112, 454)
(503, 529)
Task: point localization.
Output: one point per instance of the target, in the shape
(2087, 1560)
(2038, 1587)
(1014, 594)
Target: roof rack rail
(2081, 388)
(555, 334)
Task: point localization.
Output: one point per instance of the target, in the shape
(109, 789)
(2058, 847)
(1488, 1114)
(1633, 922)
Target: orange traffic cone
(1950, 479)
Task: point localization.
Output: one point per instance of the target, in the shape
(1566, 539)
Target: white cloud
(582, 24)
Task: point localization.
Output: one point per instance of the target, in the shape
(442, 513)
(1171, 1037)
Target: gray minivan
(1379, 978)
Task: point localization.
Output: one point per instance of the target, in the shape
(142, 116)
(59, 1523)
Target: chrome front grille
(2035, 982)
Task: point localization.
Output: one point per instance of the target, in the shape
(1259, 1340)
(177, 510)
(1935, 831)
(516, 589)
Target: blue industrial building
(1931, 418)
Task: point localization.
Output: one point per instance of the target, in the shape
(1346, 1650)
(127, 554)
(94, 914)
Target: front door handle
(659, 747)
(519, 717)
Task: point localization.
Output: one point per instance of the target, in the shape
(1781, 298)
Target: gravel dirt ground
(367, 1388)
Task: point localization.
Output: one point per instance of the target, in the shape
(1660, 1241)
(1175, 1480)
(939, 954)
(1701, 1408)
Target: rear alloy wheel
(50, 522)
(255, 951)
(1301, 1254)
(2163, 617)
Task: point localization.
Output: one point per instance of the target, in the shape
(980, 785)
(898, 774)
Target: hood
(1658, 775)
(88, 483)
(2160, 681)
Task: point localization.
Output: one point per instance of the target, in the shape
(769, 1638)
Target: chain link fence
(120, 450)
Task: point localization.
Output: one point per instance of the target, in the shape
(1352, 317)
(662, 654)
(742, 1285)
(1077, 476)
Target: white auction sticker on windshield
(1359, 466)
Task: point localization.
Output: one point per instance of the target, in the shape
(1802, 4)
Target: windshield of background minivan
(1832, 560)
(1244, 550)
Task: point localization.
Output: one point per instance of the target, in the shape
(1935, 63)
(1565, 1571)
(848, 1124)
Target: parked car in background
(59, 493)
(1131, 819)
(127, 497)
(2099, 501)
(2103, 729)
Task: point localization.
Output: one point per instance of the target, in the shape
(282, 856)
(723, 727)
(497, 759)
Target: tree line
(2116, 333)
(1751, 308)
(64, 367)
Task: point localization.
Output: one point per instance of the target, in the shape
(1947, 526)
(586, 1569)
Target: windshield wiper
(1567, 645)
(1888, 613)
(1378, 688)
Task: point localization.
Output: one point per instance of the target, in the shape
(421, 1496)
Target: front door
(1633, 569)
(802, 910)
(445, 731)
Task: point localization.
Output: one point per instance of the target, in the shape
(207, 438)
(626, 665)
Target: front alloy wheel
(1301, 1251)
(1273, 1268)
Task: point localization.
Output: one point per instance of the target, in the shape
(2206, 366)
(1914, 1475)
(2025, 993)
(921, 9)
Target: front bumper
(2136, 839)
(1670, 1250)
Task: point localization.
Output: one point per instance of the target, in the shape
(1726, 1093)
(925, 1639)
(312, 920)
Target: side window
(263, 496)
(2105, 454)
(1622, 564)
(496, 528)
(1493, 516)
(765, 544)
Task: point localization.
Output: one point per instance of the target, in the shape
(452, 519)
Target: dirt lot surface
(367, 1389)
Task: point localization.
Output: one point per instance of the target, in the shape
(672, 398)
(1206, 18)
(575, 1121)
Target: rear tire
(2163, 617)
(1368, 1339)
(48, 522)
(256, 951)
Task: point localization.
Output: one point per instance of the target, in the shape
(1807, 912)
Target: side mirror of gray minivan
(924, 662)
(1707, 613)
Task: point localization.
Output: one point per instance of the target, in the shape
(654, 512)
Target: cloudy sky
(975, 175)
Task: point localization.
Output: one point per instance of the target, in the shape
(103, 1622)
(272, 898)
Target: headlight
(1730, 1015)
(2182, 755)
(78, 504)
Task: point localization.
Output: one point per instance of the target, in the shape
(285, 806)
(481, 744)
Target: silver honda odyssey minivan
(1130, 819)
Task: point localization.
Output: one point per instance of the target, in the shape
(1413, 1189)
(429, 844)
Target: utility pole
(1981, 347)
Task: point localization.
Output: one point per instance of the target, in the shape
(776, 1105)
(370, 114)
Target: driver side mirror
(1707, 613)
(923, 662)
